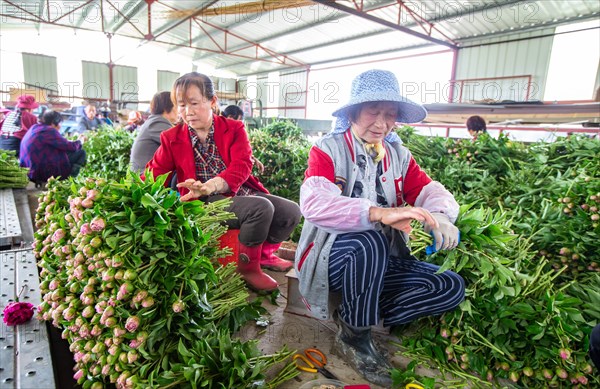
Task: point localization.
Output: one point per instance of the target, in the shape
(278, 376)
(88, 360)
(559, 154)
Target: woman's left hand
(196, 189)
(400, 218)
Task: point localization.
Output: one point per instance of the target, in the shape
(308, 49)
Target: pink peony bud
(148, 302)
(108, 275)
(54, 284)
(97, 224)
(78, 356)
(132, 323)
(114, 349)
(130, 275)
(132, 356)
(562, 373)
(88, 251)
(118, 332)
(135, 343)
(92, 194)
(139, 296)
(96, 242)
(106, 370)
(142, 336)
(96, 330)
(69, 314)
(178, 306)
(78, 375)
(85, 229)
(84, 331)
(87, 203)
(58, 235)
(564, 353)
(98, 348)
(110, 322)
(108, 342)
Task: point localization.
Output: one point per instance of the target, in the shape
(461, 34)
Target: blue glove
(431, 248)
(446, 236)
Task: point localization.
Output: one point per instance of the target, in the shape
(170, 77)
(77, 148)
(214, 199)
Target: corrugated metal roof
(229, 35)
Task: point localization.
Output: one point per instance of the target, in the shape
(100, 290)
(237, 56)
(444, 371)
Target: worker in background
(211, 155)
(476, 126)
(17, 123)
(47, 153)
(361, 191)
(163, 115)
(90, 121)
(134, 120)
(233, 112)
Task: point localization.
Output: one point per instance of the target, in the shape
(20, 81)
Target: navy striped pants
(376, 286)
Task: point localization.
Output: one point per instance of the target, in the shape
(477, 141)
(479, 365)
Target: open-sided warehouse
(129, 290)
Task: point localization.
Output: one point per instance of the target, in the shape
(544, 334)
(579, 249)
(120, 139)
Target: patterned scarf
(375, 150)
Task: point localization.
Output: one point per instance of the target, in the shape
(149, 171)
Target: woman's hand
(197, 188)
(259, 165)
(400, 218)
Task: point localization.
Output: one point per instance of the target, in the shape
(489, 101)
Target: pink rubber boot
(268, 259)
(249, 267)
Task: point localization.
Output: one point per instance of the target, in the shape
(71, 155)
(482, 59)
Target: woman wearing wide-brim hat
(17, 123)
(362, 190)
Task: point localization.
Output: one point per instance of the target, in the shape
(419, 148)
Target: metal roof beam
(85, 7)
(300, 28)
(356, 56)
(192, 16)
(320, 45)
(284, 33)
(19, 7)
(200, 36)
(308, 48)
(41, 6)
(384, 22)
(125, 17)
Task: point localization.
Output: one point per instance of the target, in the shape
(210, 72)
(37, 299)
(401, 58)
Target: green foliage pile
(528, 253)
(283, 149)
(11, 174)
(128, 273)
(108, 150)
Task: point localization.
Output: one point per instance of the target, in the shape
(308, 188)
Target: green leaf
(149, 202)
(182, 350)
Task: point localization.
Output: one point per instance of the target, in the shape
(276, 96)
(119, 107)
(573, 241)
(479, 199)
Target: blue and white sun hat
(378, 85)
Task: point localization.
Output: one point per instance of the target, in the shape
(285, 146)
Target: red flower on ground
(17, 313)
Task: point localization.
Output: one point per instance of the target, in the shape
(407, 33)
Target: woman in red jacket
(213, 160)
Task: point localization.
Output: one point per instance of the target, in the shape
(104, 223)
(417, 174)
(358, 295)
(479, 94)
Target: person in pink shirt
(17, 123)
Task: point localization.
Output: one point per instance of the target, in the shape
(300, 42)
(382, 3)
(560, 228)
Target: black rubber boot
(355, 346)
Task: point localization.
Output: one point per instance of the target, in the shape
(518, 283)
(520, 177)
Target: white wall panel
(524, 54)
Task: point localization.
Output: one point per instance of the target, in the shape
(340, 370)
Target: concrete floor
(301, 332)
(297, 332)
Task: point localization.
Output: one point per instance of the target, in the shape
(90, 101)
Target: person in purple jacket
(47, 153)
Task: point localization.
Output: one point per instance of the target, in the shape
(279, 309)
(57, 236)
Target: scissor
(313, 361)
